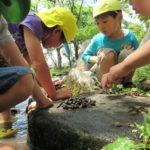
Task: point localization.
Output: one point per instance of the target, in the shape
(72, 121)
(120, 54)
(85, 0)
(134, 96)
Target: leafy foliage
(121, 144)
(141, 74)
(135, 28)
(59, 72)
(127, 9)
(126, 144)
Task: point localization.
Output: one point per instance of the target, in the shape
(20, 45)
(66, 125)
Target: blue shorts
(10, 75)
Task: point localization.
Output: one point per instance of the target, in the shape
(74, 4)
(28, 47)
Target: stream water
(20, 138)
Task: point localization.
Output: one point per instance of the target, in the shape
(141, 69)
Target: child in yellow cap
(49, 29)
(112, 44)
(137, 59)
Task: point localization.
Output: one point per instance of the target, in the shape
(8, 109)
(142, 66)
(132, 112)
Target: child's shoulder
(32, 17)
(98, 36)
(127, 32)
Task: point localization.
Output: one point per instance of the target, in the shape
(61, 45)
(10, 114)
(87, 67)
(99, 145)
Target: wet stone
(87, 122)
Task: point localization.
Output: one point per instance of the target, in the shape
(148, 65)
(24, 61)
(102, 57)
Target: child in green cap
(112, 44)
(137, 59)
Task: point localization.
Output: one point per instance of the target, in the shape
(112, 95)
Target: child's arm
(89, 55)
(92, 59)
(12, 54)
(38, 62)
(40, 66)
(137, 59)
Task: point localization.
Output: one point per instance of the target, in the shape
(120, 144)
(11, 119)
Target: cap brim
(14, 11)
(67, 49)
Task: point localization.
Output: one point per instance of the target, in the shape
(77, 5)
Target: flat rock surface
(99, 120)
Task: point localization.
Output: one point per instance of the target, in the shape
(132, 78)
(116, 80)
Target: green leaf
(147, 94)
(121, 144)
(148, 124)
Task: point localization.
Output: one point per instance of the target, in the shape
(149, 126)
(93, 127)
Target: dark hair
(49, 29)
(109, 13)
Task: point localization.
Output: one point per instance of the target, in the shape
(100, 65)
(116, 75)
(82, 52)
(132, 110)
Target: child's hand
(108, 79)
(93, 59)
(34, 105)
(115, 75)
(63, 94)
(105, 83)
(127, 47)
(58, 84)
(99, 51)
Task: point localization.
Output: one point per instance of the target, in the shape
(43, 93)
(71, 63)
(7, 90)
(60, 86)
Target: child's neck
(117, 35)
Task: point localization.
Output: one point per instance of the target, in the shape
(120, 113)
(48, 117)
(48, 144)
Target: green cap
(14, 11)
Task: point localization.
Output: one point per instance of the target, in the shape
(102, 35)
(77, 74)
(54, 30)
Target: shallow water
(19, 140)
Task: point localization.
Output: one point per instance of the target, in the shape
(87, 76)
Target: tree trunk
(76, 47)
(59, 58)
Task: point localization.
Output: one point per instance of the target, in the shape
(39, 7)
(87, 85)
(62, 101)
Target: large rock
(84, 129)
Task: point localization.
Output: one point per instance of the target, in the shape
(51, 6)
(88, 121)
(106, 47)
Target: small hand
(100, 51)
(58, 84)
(127, 47)
(93, 59)
(105, 83)
(63, 94)
(109, 78)
(34, 105)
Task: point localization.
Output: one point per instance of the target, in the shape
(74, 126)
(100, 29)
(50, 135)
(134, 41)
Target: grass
(141, 74)
(60, 72)
(141, 80)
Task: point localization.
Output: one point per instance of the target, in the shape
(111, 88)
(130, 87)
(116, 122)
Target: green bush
(141, 74)
(125, 143)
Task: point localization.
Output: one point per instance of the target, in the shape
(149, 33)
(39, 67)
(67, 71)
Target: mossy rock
(47, 133)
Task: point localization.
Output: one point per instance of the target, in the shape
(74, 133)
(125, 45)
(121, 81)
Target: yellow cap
(62, 17)
(103, 6)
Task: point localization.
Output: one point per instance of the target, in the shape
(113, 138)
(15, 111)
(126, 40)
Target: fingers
(58, 84)
(59, 87)
(33, 105)
(105, 83)
(63, 94)
(99, 52)
(128, 47)
(108, 79)
(55, 81)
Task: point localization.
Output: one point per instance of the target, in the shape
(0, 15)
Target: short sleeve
(34, 23)
(90, 51)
